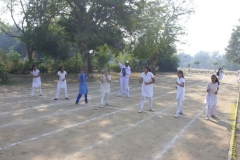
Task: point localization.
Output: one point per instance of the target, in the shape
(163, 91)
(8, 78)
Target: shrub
(3, 73)
(43, 69)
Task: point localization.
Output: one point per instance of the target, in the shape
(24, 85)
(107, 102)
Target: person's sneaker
(119, 96)
(127, 96)
(76, 103)
(108, 104)
(67, 98)
(101, 106)
(181, 113)
(151, 110)
(86, 101)
(176, 116)
(214, 116)
(140, 111)
(31, 96)
(40, 94)
(207, 118)
(55, 99)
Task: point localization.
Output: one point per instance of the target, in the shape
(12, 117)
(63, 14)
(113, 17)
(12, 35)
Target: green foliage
(3, 68)
(101, 57)
(13, 61)
(233, 48)
(72, 64)
(168, 64)
(43, 69)
(197, 63)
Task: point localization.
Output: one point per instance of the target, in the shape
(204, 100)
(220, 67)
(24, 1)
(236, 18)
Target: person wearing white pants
(211, 97)
(238, 75)
(180, 92)
(105, 88)
(36, 83)
(220, 74)
(147, 80)
(62, 83)
(124, 78)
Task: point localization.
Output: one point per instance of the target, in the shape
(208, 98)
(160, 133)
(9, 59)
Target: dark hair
(181, 72)
(219, 69)
(61, 68)
(33, 66)
(148, 68)
(216, 79)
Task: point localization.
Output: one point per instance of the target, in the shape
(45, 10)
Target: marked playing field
(40, 128)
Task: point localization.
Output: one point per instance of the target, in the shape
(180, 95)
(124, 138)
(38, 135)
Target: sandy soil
(43, 129)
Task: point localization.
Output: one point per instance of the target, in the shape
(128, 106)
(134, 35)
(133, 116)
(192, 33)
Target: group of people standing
(146, 79)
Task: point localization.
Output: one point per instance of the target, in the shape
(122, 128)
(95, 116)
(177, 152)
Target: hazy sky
(210, 28)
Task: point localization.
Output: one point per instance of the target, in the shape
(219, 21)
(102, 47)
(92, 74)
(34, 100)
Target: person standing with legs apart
(147, 80)
(238, 75)
(83, 88)
(180, 92)
(124, 78)
(211, 97)
(220, 74)
(105, 88)
(62, 82)
(36, 83)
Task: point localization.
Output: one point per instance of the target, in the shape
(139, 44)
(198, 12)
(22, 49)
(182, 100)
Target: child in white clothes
(105, 87)
(36, 83)
(180, 92)
(211, 97)
(62, 82)
(147, 80)
(238, 75)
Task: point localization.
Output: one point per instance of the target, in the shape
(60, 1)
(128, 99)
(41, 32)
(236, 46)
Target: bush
(168, 64)
(72, 64)
(114, 68)
(3, 73)
(43, 69)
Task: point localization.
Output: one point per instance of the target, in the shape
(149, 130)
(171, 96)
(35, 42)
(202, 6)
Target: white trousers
(124, 82)
(179, 107)
(102, 98)
(58, 92)
(143, 101)
(40, 91)
(211, 111)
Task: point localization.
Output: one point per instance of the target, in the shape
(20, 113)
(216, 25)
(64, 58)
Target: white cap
(127, 61)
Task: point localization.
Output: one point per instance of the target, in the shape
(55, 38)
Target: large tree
(233, 48)
(26, 16)
(160, 28)
(92, 23)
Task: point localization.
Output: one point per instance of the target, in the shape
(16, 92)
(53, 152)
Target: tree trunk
(29, 53)
(90, 68)
(154, 60)
(85, 57)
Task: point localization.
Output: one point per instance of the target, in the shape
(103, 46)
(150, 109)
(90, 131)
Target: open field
(43, 129)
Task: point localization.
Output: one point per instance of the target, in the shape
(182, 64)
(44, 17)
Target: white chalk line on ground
(54, 103)
(58, 113)
(115, 134)
(173, 140)
(71, 126)
(64, 95)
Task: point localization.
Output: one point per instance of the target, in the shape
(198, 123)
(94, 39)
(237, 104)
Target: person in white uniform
(238, 75)
(105, 88)
(220, 74)
(180, 92)
(211, 97)
(62, 82)
(124, 78)
(36, 83)
(147, 80)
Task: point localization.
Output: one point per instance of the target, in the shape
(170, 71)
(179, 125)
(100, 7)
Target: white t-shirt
(180, 90)
(36, 80)
(61, 83)
(147, 90)
(105, 86)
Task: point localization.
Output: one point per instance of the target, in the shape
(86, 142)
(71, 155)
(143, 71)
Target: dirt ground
(43, 129)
